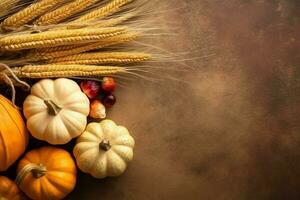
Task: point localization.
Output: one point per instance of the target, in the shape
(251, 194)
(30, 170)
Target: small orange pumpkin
(46, 173)
(13, 134)
(9, 190)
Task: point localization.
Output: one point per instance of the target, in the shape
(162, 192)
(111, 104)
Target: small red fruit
(90, 88)
(109, 100)
(108, 84)
(97, 110)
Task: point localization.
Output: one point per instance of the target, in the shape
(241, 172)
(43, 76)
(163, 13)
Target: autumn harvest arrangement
(67, 54)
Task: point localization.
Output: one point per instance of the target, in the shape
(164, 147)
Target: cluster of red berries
(100, 95)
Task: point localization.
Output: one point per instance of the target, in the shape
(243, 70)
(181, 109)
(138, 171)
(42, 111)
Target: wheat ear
(29, 13)
(99, 13)
(102, 58)
(6, 5)
(40, 55)
(56, 38)
(64, 12)
(56, 71)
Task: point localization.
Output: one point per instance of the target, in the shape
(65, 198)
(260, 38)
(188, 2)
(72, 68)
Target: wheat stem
(115, 21)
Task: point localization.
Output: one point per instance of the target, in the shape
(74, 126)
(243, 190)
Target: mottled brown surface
(233, 132)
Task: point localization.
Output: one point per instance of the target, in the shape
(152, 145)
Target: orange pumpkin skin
(13, 134)
(59, 179)
(9, 190)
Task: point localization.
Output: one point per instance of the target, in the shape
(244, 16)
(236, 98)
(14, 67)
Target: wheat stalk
(29, 13)
(102, 58)
(115, 21)
(64, 12)
(112, 7)
(56, 52)
(98, 24)
(56, 71)
(56, 38)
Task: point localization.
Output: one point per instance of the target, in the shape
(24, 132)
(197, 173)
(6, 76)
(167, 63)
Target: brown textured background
(233, 131)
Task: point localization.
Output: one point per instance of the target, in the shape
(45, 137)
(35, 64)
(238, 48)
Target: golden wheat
(56, 38)
(6, 5)
(102, 58)
(29, 13)
(56, 52)
(102, 12)
(64, 12)
(56, 71)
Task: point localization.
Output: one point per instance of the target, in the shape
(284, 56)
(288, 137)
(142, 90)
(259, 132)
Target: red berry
(90, 88)
(109, 100)
(108, 84)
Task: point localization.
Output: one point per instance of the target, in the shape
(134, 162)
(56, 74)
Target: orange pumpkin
(13, 134)
(9, 190)
(46, 173)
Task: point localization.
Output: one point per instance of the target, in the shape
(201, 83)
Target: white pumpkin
(56, 110)
(104, 149)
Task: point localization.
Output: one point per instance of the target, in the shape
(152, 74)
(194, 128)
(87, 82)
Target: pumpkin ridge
(40, 137)
(44, 192)
(118, 152)
(116, 146)
(61, 170)
(116, 141)
(109, 164)
(87, 151)
(94, 161)
(41, 189)
(73, 111)
(33, 102)
(40, 90)
(4, 144)
(65, 119)
(54, 136)
(72, 93)
(90, 134)
(56, 185)
(90, 147)
(45, 157)
(60, 188)
(56, 82)
(119, 156)
(104, 157)
(20, 132)
(4, 147)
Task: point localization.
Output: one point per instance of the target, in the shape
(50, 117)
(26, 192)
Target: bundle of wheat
(55, 38)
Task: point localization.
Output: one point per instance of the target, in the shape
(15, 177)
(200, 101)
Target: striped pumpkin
(13, 134)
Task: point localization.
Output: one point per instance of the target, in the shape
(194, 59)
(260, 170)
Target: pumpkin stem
(53, 108)
(105, 145)
(39, 172)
